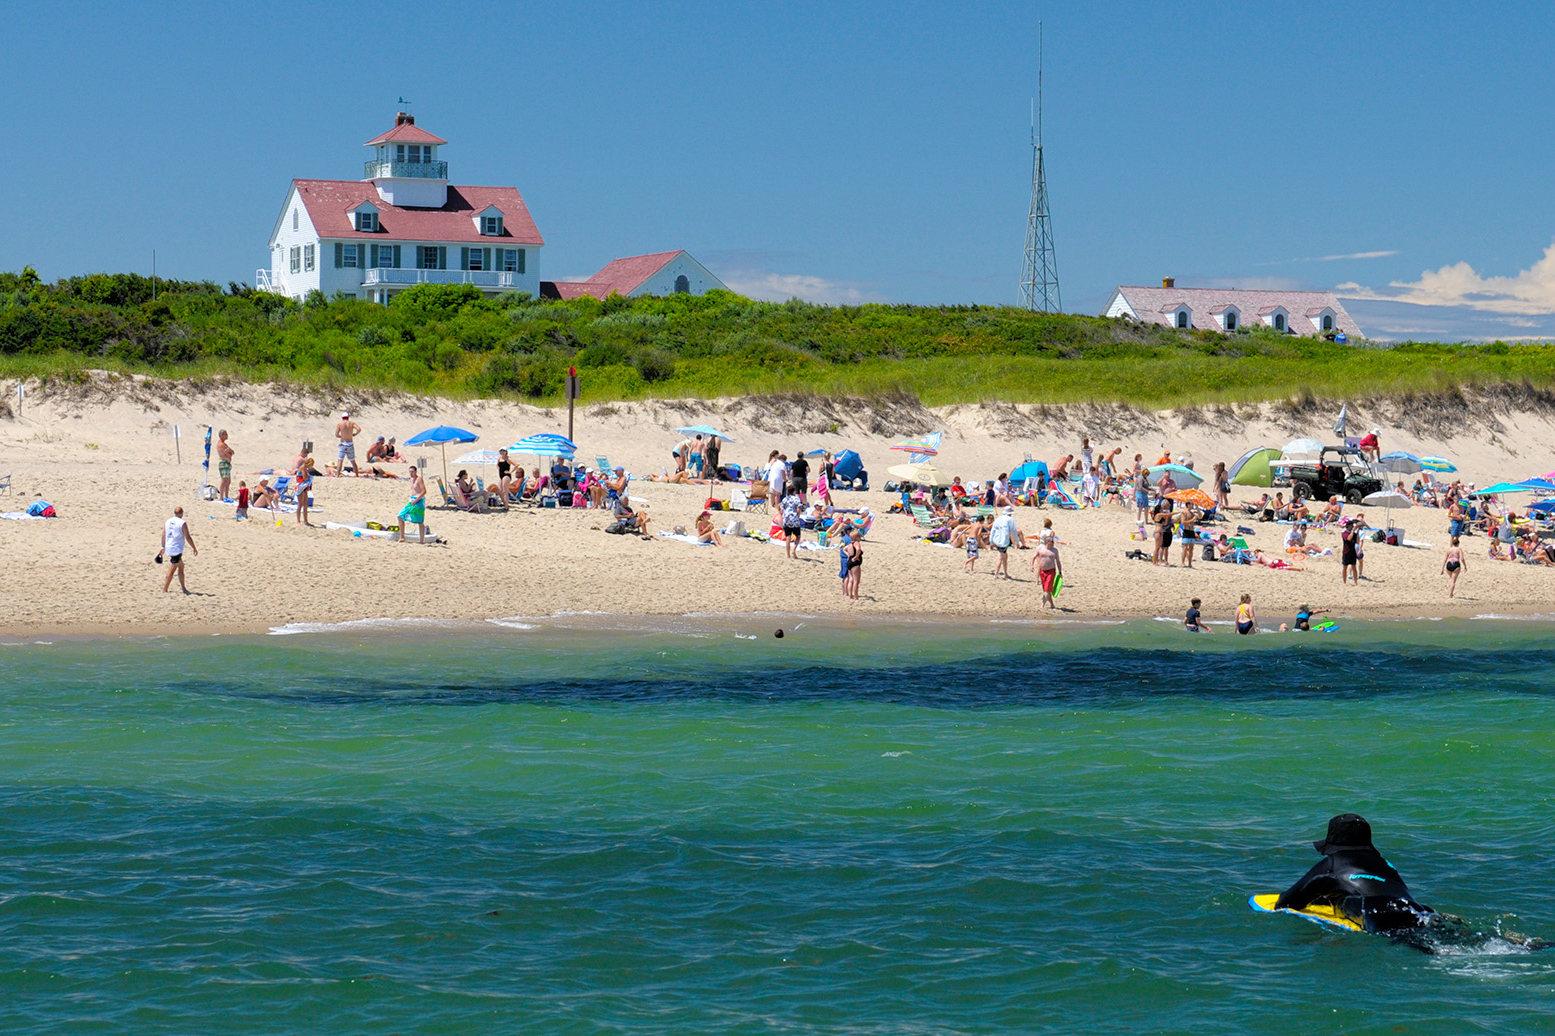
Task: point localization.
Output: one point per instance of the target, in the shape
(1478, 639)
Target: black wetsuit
(1353, 878)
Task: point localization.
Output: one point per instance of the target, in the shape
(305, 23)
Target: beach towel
(685, 538)
(20, 516)
(823, 488)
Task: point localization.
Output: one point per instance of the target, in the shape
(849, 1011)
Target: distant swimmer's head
(1346, 831)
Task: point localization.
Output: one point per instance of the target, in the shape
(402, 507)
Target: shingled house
(1316, 313)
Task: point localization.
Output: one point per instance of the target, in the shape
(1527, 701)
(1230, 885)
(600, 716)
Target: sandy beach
(103, 453)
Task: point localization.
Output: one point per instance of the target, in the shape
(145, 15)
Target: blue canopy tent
(849, 469)
(442, 435)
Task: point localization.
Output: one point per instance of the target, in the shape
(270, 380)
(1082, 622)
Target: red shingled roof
(618, 277)
(331, 202)
(406, 133)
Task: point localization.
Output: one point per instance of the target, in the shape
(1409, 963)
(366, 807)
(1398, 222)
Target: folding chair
(5, 483)
(757, 501)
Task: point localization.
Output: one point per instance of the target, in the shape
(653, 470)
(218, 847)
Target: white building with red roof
(1317, 313)
(661, 273)
(402, 224)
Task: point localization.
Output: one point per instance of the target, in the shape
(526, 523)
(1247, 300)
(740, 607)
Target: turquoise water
(919, 829)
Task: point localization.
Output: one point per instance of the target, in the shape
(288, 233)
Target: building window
(307, 257)
(1230, 320)
(367, 222)
(510, 260)
(474, 261)
(386, 257)
(1182, 318)
(682, 284)
(296, 259)
(426, 257)
(294, 219)
(1328, 322)
(348, 256)
(491, 226)
(1279, 321)
(399, 152)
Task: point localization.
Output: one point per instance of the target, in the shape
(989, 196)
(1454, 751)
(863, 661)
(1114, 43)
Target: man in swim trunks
(1049, 567)
(175, 539)
(346, 431)
(415, 509)
(1354, 879)
(224, 462)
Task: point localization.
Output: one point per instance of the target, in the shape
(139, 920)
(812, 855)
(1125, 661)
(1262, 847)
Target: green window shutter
(340, 254)
(396, 257)
(520, 260)
(373, 256)
(442, 257)
(485, 258)
(464, 258)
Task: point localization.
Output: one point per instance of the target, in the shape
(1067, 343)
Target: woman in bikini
(1453, 564)
(1246, 618)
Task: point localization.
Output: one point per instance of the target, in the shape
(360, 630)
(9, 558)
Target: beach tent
(1252, 468)
(849, 468)
(1185, 477)
(703, 429)
(922, 474)
(442, 435)
(1029, 469)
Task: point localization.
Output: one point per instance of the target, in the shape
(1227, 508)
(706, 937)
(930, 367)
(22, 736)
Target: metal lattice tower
(1039, 272)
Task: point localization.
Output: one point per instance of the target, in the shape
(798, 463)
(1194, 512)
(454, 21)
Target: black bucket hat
(1345, 831)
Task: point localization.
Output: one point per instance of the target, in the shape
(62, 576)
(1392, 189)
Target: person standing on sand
(1141, 491)
(710, 457)
(224, 463)
(1002, 537)
(1453, 565)
(1349, 538)
(302, 487)
(1049, 567)
(175, 538)
(854, 552)
(415, 509)
(346, 430)
(793, 521)
(1222, 486)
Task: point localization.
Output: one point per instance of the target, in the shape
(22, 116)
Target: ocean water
(579, 825)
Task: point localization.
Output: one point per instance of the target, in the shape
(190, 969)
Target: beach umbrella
(442, 435)
(1437, 464)
(1538, 485)
(1387, 499)
(1401, 463)
(1501, 488)
(1302, 448)
(1180, 474)
(919, 446)
(484, 457)
(545, 445)
(1252, 468)
(1197, 497)
(702, 429)
(923, 474)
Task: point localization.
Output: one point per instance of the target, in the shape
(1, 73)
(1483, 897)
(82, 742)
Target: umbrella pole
(444, 447)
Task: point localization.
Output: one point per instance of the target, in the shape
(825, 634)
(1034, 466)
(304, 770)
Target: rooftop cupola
(405, 168)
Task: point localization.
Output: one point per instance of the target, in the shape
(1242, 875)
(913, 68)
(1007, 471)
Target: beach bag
(616, 528)
(1209, 552)
(207, 492)
(735, 529)
(577, 499)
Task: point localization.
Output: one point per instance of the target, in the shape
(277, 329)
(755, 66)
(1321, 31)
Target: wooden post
(572, 396)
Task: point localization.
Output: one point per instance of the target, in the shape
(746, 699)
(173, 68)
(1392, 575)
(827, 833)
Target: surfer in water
(1356, 881)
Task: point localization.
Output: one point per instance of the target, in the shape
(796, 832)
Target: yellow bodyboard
(1322, 913)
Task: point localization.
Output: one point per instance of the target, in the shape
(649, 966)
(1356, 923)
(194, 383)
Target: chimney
(404, 119)
(1168, 282)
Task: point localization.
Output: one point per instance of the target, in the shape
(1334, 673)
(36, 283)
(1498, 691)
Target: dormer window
(1182, 318)
(1279, 321)
(367, 222)
(1328, 321)
(1228, 320)
(491, 226)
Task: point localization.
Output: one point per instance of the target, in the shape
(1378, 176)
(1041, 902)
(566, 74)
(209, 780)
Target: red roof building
(659, 273)
(402, 224)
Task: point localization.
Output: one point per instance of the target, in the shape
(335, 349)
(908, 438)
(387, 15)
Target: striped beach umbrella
(919, 446)
(1440, 464)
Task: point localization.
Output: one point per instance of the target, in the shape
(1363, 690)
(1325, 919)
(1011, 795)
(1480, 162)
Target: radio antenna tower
(1039, 272)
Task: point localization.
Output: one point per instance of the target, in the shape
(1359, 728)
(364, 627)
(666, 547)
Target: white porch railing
(264, 282)
(379, 275)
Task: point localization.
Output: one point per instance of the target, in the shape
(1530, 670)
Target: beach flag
(932, 439)
(822, 487)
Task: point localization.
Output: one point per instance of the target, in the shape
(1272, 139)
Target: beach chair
(283, 489)
(921, 516)
(757, 499)
(603, 464)
(985, 510)
(5, 483)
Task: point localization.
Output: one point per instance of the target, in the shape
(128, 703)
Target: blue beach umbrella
(1180, 475)
(704, 429)
(1401, 463)
(1501, 488)
(1538, 485)
(1441, 464)
(442, 435)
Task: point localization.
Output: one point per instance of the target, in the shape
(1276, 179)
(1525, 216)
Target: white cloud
(1530, 291)
(780, 287)
(1350, 255)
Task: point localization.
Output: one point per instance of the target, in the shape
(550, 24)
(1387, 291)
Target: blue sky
(835, 152)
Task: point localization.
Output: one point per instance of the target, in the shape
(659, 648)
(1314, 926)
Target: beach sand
(102, 452)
